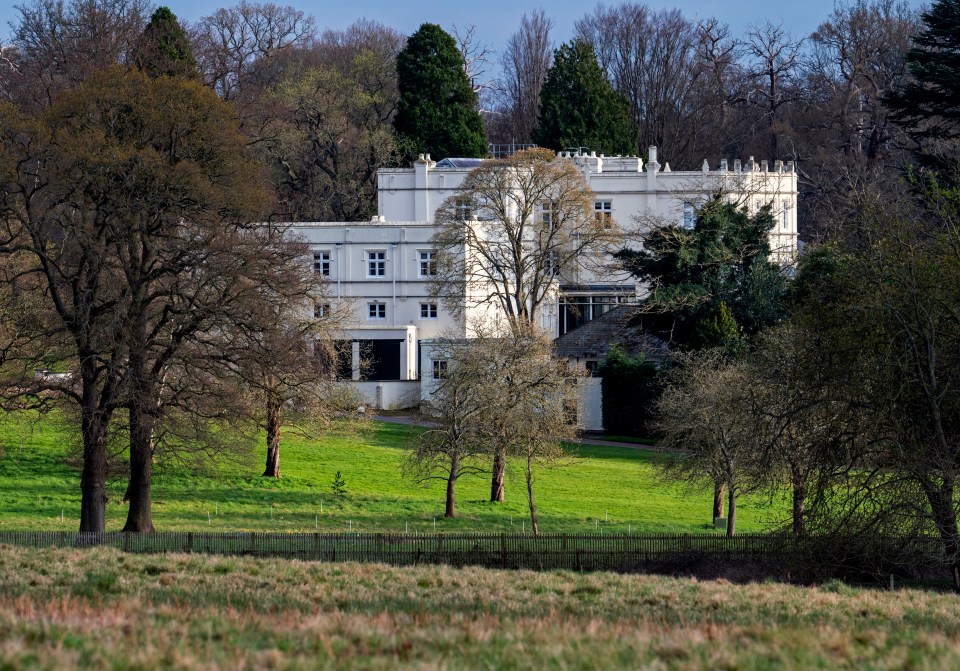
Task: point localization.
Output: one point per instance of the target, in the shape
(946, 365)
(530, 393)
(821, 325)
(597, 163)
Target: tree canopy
(437, 113)
(165, 48)
(930, 104)
(712, 284)
(579, 108)
(126, 208)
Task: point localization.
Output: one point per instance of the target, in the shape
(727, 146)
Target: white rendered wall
(402, 288)
(640, 194)
(390, 394)
(636, 190)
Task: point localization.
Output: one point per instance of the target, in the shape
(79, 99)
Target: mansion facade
(383, 268)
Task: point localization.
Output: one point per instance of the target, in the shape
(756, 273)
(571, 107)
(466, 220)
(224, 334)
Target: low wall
(590, 404)
(390, 394)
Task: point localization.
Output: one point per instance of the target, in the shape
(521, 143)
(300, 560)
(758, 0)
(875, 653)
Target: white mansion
(382, 268)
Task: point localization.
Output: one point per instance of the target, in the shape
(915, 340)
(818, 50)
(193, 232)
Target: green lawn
(101, 609)
(615, 489)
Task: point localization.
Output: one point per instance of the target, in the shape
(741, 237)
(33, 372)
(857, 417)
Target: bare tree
(238, 48)
(858, 56)
(882, 311)
(802, 424)
(244, 51)
(524, 64)
(58, 45)
(476, 58)
(535, 406)
(129, 203)
(513, 229)
(651, 58)
(80, 279)
(704, 414)
(721, 88)
(503, 394)
(458, 443)
(844, 138)
(774, 71)
(287, 364)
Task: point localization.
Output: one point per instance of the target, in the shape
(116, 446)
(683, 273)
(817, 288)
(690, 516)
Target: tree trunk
(717, 500)
(533, 508)
(93, 488)
(799, 503)
(139, 514)
(731, 512)
(143, 404)
(499, 471)
(941, 500)
(274, 405)
(451, 488)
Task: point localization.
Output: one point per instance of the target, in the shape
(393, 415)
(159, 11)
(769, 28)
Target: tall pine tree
(579, 107)
(437, 113)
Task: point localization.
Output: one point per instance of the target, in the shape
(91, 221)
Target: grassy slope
(36, 484)
(62, 609)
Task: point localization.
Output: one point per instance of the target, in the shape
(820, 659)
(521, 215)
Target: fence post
(189, 541)
(503, 550)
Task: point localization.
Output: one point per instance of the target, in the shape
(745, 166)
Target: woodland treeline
(318, 107)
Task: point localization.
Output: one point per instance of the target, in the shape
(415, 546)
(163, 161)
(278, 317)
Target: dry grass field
(101, 609)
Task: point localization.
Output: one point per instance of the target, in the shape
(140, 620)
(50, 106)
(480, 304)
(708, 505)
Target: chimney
(652, 168)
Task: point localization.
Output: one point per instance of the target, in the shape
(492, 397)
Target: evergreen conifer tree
(164, 48)
(579, 107)
(712, 285)
(437, 112)
(929, 106)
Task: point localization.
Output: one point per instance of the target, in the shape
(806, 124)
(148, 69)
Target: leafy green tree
(437, 113)
(930, 104)
(879, 319)
(330, 143)
(712, 285)
(720, 329)
(579, 107)
(164, 48)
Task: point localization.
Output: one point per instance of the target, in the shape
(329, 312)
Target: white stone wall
(648, 192)
(390, 394)
(402, 289)
(640, 194)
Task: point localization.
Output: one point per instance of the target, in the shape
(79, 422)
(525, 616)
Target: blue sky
(496, 19)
